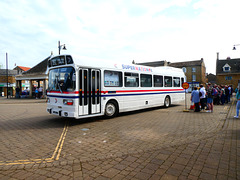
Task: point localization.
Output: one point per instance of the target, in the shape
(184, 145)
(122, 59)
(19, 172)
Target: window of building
(146, 80)
(176, 81)
(193, 69)
(158, 81)
(112, 79)
(228, 77)
(193, 77)
(131, 79)
(168, 81)
(226, 68)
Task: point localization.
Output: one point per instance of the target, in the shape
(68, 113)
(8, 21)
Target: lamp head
(64, 47)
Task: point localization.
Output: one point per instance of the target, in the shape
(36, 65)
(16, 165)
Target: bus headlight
(68, 102)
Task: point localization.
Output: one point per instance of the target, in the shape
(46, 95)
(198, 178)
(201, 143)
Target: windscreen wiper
(59, 87)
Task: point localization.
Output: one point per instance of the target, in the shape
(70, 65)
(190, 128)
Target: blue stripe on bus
(57, 96)
(111, 95)
(140, 94)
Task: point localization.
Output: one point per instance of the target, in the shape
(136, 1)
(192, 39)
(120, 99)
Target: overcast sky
(119, 30)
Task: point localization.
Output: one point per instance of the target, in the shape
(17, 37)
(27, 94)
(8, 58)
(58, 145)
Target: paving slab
(157, 143)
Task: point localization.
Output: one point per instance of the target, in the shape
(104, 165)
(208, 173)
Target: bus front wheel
(111, 109)
(167, 102)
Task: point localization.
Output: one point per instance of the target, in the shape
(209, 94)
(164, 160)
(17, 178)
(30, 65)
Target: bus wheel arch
(111, 108)
(167, 101)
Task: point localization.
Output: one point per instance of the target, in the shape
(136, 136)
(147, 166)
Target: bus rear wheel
(111, 109)
(167, 102)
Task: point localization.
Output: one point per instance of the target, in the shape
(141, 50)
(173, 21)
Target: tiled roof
(233, 63)
(186, 63)
(40, 68)
(24, 68)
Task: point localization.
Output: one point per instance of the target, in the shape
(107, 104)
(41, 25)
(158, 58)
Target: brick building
(195, 72)
(211, 78)
(228, 72)
(7, 76)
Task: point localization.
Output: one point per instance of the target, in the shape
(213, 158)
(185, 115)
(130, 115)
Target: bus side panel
(106, 98)
(177, 97)
(142, 100)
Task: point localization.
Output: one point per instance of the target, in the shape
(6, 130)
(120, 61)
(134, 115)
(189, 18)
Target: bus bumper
(60, 112)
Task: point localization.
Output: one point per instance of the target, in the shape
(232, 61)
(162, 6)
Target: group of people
(206, 98)
(36, 92)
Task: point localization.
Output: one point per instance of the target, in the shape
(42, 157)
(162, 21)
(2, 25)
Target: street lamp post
(7, 72)
(61, 47)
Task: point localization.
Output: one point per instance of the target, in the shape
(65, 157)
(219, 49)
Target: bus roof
(99, 63)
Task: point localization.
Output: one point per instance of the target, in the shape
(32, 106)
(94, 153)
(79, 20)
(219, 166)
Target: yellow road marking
(60, 149)
(60, 140)
(20, 162)
(56, 153)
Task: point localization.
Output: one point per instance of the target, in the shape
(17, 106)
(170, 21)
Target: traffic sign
(185, 85)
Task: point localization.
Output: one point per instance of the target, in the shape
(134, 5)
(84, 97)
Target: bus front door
(89, 91)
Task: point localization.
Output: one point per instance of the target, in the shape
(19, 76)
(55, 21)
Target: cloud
(121, 30)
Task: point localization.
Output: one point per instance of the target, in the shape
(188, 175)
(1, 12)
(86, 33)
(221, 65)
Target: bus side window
(112, 79)
(176, 81)
(146, 80)
(168, 81)
(131, 79)
(158, 81)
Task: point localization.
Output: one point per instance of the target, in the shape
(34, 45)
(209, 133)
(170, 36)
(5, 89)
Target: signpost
(185, 86)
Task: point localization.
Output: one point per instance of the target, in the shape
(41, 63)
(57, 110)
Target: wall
(222, 81)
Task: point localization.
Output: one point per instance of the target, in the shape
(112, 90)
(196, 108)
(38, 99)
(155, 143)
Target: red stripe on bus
(64, 92)
(153, 90)
(119, 91)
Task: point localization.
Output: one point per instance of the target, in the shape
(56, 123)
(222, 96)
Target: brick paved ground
(151, 144)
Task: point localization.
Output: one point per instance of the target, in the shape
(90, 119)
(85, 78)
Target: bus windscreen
(62, 79)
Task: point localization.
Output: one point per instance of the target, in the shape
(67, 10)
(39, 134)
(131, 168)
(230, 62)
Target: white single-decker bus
(81, 89)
